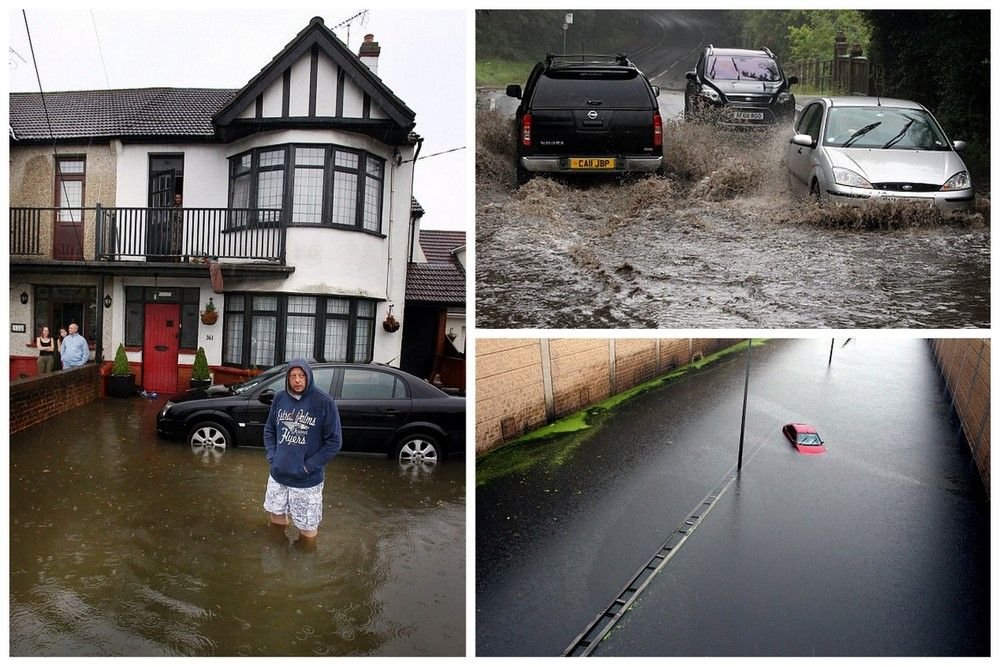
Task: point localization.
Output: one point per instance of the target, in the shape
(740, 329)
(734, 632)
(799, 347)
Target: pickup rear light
(657, 130)
(526, 130)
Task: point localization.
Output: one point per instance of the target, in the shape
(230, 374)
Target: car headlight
(784, 97)
(710, 93)
(959, 181)
(166, 408)
(850, 178)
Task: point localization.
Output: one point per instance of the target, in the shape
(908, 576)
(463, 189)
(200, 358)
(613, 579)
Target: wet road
(721, 242)
(879, 547)
(123, 544)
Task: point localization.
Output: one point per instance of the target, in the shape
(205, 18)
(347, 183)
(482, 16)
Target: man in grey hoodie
(301, 436)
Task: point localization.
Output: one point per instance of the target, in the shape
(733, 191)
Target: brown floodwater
(720, 241)
(125, 544)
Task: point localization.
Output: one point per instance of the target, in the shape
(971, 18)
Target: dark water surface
(123, 544)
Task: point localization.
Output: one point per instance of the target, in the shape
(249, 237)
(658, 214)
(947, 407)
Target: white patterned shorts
(305, 506)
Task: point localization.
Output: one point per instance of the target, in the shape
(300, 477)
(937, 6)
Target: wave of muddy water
(719, 242)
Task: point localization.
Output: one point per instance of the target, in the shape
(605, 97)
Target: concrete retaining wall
(34, 400)
(522, 384)
(965, 365)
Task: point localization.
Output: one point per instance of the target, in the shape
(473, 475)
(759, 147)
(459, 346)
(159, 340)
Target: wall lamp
(107, 300)
(24, 298)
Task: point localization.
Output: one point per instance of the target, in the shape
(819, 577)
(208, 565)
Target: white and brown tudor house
(287, 205)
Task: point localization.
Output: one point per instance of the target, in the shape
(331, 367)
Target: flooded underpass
(720, 241)
(123, 544)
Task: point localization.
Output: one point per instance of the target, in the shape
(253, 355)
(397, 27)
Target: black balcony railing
(150, 234)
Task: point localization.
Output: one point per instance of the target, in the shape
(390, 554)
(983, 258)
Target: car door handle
(390, 411)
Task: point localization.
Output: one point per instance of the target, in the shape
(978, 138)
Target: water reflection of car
(850, 150)
(804, 437)
(739, 88)
(383, 410)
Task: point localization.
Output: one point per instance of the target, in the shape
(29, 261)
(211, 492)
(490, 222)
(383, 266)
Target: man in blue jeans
(301, 436)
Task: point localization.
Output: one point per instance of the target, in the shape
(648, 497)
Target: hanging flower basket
(390, 324)
(210, 314)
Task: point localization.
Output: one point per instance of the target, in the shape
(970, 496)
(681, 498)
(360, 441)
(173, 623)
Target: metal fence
(150, 234)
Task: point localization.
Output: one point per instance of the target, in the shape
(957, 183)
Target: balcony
(153, 235)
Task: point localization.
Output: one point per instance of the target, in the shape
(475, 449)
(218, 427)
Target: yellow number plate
(592, 163)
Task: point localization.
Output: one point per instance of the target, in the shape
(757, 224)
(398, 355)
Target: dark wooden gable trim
(313, 77)
(317, 34)
(259, 107)
(366, 107)
(286, 91)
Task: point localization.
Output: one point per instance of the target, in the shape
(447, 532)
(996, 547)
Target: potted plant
(121, 382)
(210, 314)
(200, 376)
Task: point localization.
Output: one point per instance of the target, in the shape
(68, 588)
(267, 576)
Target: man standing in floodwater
(301, 436)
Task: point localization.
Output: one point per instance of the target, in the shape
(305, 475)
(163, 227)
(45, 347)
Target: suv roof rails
(767, 51)
(587, 58)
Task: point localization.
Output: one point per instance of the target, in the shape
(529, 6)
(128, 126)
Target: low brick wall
(34, 400)
(965, 366)
(522, 384)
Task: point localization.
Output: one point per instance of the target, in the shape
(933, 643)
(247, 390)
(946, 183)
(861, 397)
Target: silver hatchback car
(852, 149)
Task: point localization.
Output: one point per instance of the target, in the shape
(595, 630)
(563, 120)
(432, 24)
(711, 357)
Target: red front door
(159, 349)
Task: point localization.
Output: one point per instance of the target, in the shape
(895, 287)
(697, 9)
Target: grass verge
(552, 445)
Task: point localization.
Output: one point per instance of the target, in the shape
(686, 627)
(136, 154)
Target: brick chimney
(369, 53)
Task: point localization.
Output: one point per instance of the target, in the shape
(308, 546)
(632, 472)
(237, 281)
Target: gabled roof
(441, 279)
(132, 112)
(202, 112)
(316, 33)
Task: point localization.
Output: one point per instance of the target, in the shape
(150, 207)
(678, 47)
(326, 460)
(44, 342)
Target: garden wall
(965, 366)
(34, 400)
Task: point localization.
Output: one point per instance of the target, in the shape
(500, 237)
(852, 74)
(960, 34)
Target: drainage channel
(587, 641)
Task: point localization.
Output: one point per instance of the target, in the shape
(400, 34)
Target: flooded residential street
(123, 544)
(720, 241)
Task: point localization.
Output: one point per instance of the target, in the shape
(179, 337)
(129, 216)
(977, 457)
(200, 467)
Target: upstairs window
(319, 185)
(70, 174)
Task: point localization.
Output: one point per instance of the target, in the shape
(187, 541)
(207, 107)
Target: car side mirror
(802, 140)
(514, 90)
(793, 80)
(656, 91)
(266, 397)
(959, 146)
(690, 75)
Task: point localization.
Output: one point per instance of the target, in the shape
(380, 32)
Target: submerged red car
(804, 437)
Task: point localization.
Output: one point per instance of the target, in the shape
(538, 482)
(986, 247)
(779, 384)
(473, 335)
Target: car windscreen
(257, 380)
(742, 68)
(883, 127)
(575, 90)
(809, 439)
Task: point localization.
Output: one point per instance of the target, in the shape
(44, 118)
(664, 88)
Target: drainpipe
(413, 173)
(99, 340)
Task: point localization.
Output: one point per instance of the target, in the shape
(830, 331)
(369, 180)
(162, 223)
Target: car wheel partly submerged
(208, 437)
(418, 449)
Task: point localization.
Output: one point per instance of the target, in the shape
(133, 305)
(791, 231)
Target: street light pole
(830, 360)
(743, 423)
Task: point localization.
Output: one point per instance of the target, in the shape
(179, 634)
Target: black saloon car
(587, 114)
(739, 87)
(383, 410)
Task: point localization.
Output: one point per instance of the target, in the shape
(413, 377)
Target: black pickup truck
(587, 113)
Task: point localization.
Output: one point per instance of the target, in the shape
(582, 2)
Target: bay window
(262, 330)
(314, 184)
